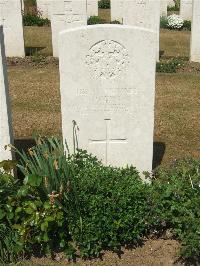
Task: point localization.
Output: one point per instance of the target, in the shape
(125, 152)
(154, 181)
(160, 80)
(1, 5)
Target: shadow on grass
(158, 153)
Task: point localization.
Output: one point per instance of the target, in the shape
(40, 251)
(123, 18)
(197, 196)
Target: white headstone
(5, 111)
(117, 10)
(44, 7)
(143, 13)
(11, 20)
(50, 7)
(163, 8)
(195, 33)
(107, 77)
(22, 3)
(74, 15)
(92, 8)
(186, 9)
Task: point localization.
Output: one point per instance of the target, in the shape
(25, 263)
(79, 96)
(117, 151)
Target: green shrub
(187, 25)
(106, 195)
(10, 245)
(173, 8)
(169, 66)
(72, 203)
(115, 22)
(35, 20)
(176, 195)
(95, 20)
(104, 4)
(163, 23)
(93, 202)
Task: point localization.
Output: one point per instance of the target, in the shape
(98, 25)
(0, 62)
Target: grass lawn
(175, 43)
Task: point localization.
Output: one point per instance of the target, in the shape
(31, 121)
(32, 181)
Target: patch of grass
(35, 100)
(175, 43)
(176, 114)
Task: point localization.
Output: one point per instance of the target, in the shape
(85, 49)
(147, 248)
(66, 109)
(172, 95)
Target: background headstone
(44, 6)
(11, 20)
(163, 8)
(143, 13)
(5, 111)
(68, 14)
(117, 10)
(186, 9)
(107, 77)
(195, 33)
(22, 3)
(92, 8)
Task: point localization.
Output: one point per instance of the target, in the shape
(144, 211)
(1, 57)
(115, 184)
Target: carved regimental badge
(108, 59)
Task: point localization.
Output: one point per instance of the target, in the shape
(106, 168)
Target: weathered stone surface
(117, 10)
(50, 7)
(44, 6)
(74, 15)
(143, 13)
(186, 9)
(22, 3)
(195, 33)
(5, 111)
(11, 20)
(92, 8)
(107, 79)
(163, 8)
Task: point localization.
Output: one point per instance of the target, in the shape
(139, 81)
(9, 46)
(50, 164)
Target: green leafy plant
(176, 195)
(91, 200)
(169, 66)
(10, 246)
(106, 196)
(104, 4)
(35, 20)
(187, 25)
(95, 20)
(73, 203)
(115, 22)
(173, 8)
(163, 23)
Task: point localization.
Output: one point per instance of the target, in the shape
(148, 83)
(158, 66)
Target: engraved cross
(108, 140)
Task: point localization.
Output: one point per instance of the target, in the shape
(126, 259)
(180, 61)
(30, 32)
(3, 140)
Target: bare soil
(154, 252)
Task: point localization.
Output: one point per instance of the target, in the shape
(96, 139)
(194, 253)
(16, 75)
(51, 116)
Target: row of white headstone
(70, 14)
(46, 8)
(116, 7)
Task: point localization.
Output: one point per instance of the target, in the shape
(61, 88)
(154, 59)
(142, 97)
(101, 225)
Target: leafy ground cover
(76, 207)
